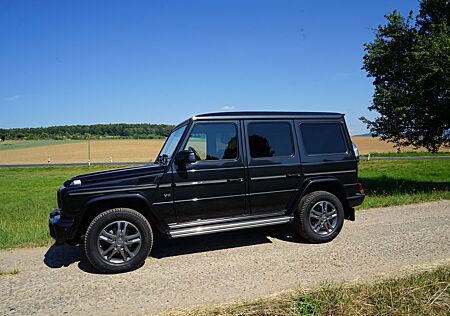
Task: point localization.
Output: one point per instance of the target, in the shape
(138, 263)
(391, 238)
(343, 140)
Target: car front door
(213, 186)
(273, 164)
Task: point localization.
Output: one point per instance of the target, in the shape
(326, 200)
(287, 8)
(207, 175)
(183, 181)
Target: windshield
(170, 144)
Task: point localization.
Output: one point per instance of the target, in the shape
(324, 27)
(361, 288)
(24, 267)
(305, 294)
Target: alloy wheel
(119, 242)
(323, 218)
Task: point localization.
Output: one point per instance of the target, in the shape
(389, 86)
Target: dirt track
(227, 267)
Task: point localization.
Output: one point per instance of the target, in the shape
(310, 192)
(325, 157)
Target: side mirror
(185, 157)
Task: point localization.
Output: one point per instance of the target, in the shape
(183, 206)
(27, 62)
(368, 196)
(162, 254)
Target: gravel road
(227, 267)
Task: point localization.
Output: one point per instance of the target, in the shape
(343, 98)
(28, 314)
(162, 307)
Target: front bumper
(60, 226)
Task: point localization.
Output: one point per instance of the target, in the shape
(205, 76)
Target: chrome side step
(223, 227)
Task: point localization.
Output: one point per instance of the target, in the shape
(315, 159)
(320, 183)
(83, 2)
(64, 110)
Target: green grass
(19, 144)
(409, 154)
(28, 194)
(426, 293)
(388, 183)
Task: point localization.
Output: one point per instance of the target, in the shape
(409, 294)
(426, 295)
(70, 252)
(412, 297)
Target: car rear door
(273, 164)
(326, 150)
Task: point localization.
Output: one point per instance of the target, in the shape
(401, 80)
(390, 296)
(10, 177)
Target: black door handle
(235, 180)
(292, 175)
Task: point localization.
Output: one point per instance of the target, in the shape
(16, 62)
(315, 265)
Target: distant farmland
(122, 150)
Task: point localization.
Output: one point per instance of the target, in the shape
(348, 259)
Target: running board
(217, 228)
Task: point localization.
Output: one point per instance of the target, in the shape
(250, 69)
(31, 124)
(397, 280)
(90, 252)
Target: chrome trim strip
(134, 188)
(222, 220)
(329, 172)
(160, 203)
(270, 192)
(165, 185)
(209, 229)
(242, 167)
(209, 198)
(223, 197)
(215, 169)
(182, 184)
(268, 177)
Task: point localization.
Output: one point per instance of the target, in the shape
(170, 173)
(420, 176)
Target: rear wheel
(319, 217)
(118, 240)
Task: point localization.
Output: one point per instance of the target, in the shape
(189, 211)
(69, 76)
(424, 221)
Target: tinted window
(270, 140)
(214, 141)
(323, 138)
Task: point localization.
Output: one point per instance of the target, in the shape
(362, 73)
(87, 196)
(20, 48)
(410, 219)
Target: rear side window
(270, 140)
(323, 138)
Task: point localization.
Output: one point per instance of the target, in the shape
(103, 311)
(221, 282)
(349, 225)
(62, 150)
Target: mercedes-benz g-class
(216, 172)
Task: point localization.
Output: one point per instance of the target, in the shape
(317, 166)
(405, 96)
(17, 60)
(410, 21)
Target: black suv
(216, 172)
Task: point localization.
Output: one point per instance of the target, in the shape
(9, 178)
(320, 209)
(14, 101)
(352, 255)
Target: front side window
(214, 141)
(270, 140)
(323, 138)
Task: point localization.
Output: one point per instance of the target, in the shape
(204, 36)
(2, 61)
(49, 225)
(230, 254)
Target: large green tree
(410, 63)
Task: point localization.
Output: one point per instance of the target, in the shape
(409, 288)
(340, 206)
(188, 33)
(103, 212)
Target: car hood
(117, 174)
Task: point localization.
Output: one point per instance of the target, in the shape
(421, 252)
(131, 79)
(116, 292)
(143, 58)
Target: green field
(28, 194)
(426, 293)
(389, 183)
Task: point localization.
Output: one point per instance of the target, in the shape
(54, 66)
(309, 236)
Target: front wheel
(118, 240)
(319, 217)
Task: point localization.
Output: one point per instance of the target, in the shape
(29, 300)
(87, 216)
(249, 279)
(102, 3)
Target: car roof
(266, 115)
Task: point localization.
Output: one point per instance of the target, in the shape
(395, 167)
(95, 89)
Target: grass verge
(388, 183)
(426, 293)
(28, 194)
(409, 154)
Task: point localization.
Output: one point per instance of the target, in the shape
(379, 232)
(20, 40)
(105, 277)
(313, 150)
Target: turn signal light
(359, 187)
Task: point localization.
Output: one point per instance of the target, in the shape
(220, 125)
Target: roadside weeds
(9, 272)
(424, 293)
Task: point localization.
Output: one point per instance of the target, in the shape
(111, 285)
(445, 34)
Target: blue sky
(85, 62)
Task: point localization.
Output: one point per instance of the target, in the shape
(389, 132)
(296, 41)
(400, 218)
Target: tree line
(140, 131)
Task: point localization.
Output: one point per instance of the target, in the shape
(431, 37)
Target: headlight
(75, 183)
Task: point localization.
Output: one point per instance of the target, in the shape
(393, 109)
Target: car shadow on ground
(64, 255)
(165, 247)
(59, 256)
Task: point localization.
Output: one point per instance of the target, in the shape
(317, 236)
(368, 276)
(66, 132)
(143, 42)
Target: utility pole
(89, 150)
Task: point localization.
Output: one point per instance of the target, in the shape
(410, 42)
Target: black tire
(131, 251)
(311, 205)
